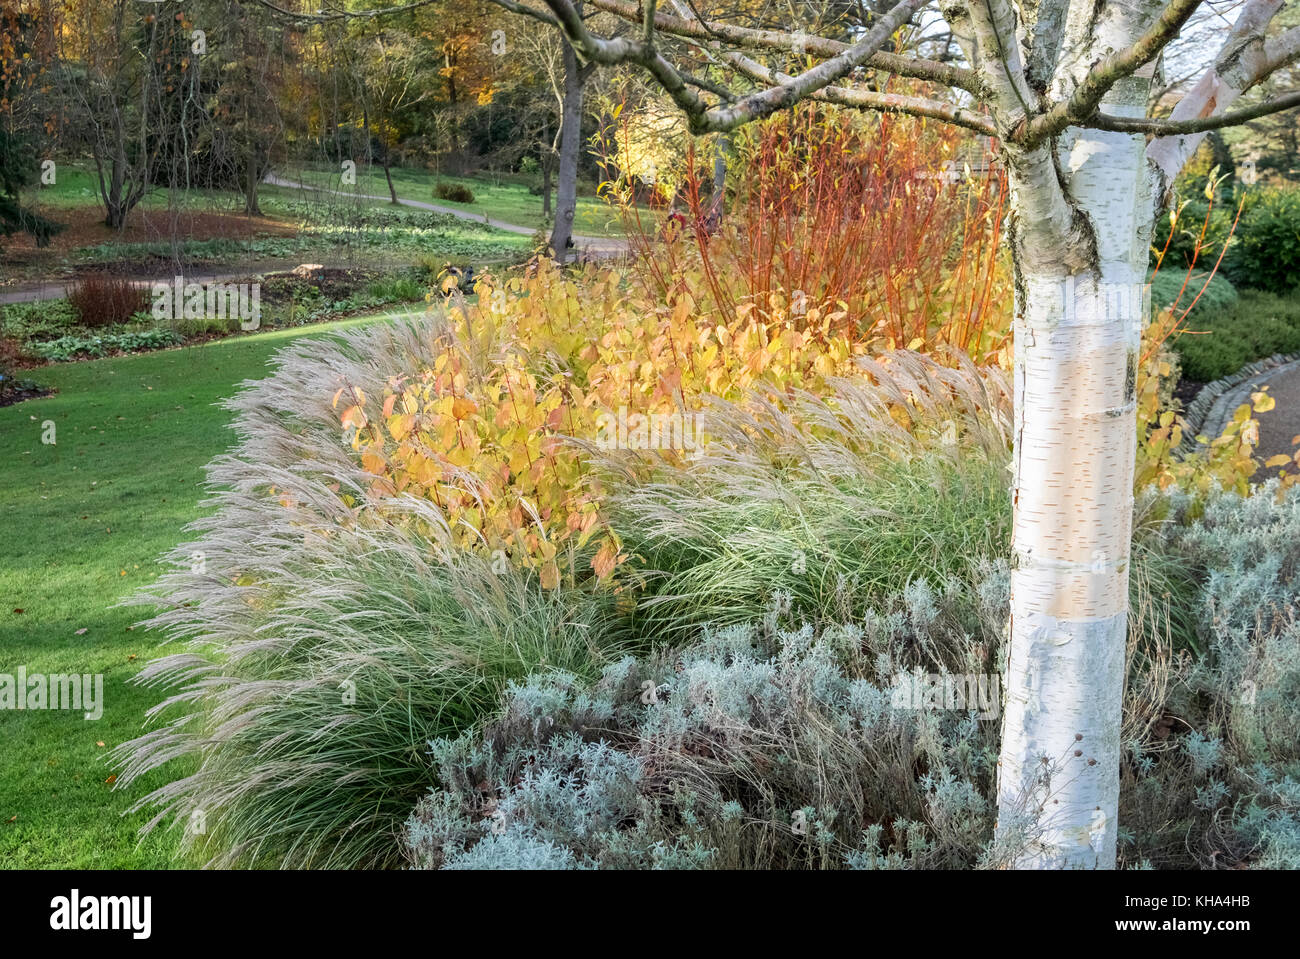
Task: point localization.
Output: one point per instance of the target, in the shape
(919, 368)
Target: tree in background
(393, 80)
(251, 59)
(26, 52)
(111, 57)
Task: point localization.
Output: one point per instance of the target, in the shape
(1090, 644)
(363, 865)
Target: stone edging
(1217, 401)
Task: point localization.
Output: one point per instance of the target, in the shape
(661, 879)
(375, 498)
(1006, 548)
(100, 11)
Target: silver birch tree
(1063, 86)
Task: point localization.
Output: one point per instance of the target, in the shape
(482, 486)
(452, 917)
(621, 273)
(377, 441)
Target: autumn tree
(26, 59)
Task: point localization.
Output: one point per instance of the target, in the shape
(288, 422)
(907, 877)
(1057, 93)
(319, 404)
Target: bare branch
(1088, 95)
(748, 38)
(872, 100)
(754, 106)
(1160, 127)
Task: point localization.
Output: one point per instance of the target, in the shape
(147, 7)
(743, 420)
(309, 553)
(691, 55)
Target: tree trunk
(114, 207)
(566, 200)
(547, 165)
(251, 182)
(388, 175)
(1081, 228)
(713, 220)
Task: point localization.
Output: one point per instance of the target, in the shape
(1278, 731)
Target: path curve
(1279, 426)
(592, 246)
(596, 247)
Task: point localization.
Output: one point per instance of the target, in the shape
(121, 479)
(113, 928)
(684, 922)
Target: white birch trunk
(1079, 316)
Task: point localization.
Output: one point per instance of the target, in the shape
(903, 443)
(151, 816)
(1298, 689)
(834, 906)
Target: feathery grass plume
(836, 501)
(328, 635)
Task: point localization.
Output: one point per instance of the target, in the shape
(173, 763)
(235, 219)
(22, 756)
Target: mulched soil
(1186, 391)
(21, 390)
(85, 228)
(334, 283)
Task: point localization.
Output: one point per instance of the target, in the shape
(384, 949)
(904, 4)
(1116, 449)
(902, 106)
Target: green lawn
(503, 198)
(85, 522)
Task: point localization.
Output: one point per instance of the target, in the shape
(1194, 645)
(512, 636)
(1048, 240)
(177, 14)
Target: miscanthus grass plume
(325, 636)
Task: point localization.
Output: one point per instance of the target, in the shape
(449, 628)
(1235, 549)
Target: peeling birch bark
(1077, 336)
(1241, 63)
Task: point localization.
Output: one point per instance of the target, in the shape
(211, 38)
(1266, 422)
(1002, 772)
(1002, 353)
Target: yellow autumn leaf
(1263, 401)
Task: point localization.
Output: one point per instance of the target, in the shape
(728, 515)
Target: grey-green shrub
(1226, 790)
(758, 747)
(757, 723)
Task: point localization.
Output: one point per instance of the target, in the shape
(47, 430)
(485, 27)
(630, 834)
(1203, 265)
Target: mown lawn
(505, 199)
(85, 522)
(296, 223)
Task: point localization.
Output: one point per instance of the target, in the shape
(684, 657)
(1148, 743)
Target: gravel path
(1280, 425)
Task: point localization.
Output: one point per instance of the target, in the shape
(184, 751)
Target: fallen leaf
(19, 611)
(99, 742)
(82, 631)
(111, 779)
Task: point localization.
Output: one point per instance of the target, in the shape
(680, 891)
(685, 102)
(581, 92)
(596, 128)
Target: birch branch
(1196, 125)
(873, 100)
(1243, 60)
(916, 68)
(1102, 76)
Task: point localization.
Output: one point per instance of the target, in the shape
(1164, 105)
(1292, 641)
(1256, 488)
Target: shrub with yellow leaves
(1227, 460)
(532, 365)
